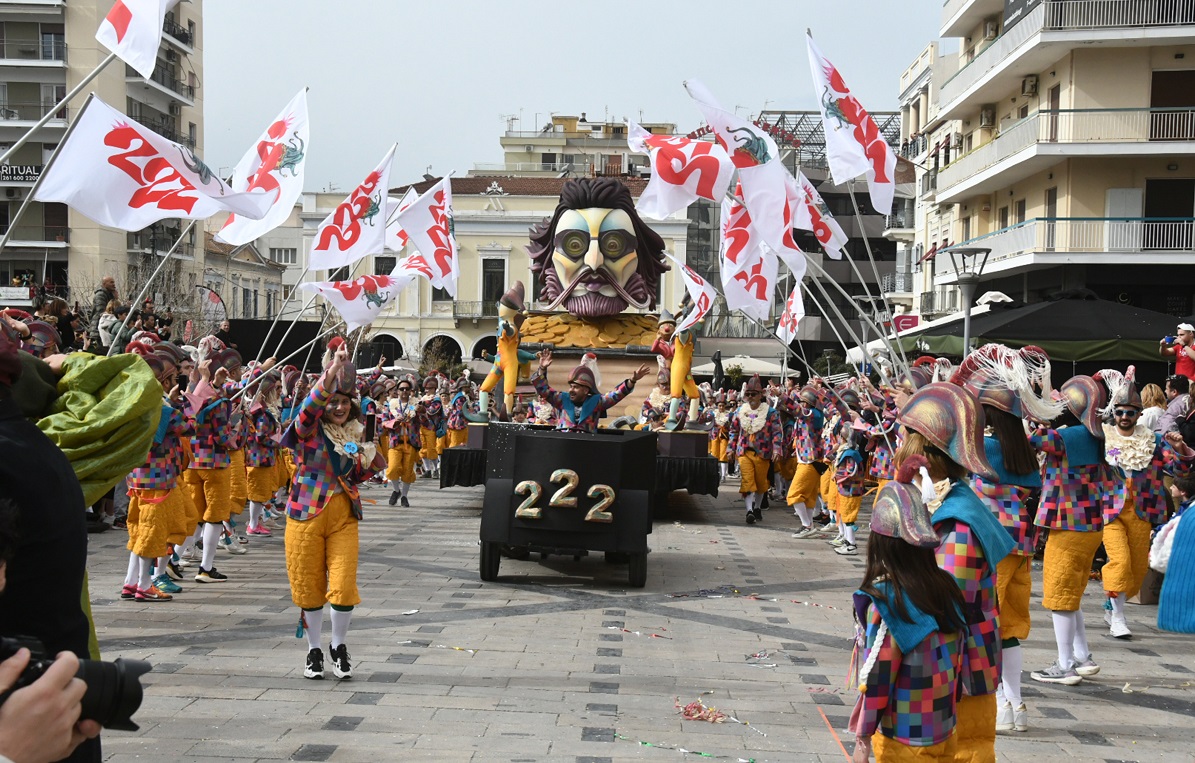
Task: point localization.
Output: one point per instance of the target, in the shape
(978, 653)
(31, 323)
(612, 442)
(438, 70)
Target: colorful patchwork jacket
(321, 472)
(807, 430)
(403, 424)
(883, 440)
(1013, 499)
(212, 434)
(767, 441)
(1075, 480)
(456, 413)
(584, 417)
(1149, 494)
(261, 444)
(433, 415)
(848, 473)
(165, 460)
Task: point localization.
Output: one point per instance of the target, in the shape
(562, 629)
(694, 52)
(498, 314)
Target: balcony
(41, 236)
(30, 113)
(913, 147)
(928, 185)
(165, 82)
(899, 227)
(180, 34)
(1052, 29)
(475, 310)
(1045, 138)
(1045, 242)
(579, 169)
(166, 130)
(896, 283)
(32, 52)
(959, 16)
(941, 301)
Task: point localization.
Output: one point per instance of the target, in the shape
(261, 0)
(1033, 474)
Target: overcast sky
(440, 77)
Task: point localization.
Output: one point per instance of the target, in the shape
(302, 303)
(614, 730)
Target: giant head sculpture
(595, 256)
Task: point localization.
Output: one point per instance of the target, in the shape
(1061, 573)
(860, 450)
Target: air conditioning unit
(529, 148)
(12, 193)
(991, 28)
(172, 55)
(957, 140)
(176, 109)
(1029, 86)
(987, 116)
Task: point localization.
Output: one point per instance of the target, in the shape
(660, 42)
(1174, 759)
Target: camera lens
(113, 691)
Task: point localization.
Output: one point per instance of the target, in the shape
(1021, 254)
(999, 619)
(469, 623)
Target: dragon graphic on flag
(361, 300)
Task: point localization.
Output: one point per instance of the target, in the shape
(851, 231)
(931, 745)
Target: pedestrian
(1175, 612)
(1178, 404)
(1154, 400)
(224, 334)
(105, 294)
(1180, 347)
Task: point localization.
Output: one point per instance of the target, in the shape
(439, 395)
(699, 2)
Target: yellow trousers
(847, 507)
(975, 730)
(238, 483)
(1127, 542)
(287, 458)
(1066, 568)
(321, 556)
(156, 518)
(891, 751)
(753, 470)
(209, 489)
(262, 481)
(400, 463)
(829, 489)
(430, 444)
(458, 438)
(804, 487)
(1014, 583)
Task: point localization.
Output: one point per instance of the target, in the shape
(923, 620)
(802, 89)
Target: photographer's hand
(38, 722)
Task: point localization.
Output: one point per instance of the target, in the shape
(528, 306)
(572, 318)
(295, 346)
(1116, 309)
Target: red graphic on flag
(363, 285)
(737, 233)
(120, 17)
(440, 235)
(679, 158)
(345, 223)
(161, 184)
(866, 132)
(753, 279)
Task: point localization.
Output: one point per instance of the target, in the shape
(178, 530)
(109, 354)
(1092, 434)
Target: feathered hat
(900, 509)
(1008, 380)
(589, 360)
(1122, 389)
(952, 419)
(1085, 397)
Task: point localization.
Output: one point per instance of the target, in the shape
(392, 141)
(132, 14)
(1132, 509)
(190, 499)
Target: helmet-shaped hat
(951, 418)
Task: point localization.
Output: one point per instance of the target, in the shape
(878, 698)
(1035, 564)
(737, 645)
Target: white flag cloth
(747, 275)
(854, 145)
(361, 300)
(356, 228)
(790, 319)
(429, 224)
(396, 237)
(812, 214)
(133, 31)
(755, 155)
(122, 174)
(275, 163)
(682, 171)
(700, 291)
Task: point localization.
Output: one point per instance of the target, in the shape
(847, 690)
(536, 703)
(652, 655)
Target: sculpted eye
(615, 243)
(573, 243)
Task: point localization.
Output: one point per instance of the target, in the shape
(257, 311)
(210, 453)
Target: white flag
(755, 155)
(122, 174)
(747, 275)
(396, 237)
(429, 224)
(811, 213)
(275, 164)
(700, 291)
(133, 31)
(361, 300)
(357, 227)
(854, 145)
(682, 171)
(790, 319)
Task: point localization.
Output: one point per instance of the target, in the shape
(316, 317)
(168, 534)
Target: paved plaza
(560, 661)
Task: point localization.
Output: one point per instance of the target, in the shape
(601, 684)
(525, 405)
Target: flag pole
(57, 107)
(282, 309)
(850, 187)
(12, 224)
(311, 344)
(145, 288)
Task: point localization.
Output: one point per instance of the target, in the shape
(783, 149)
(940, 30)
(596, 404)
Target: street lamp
(968, 263)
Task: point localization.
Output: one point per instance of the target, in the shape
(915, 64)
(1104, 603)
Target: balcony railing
(33, 50)
(1073, 126)
(734, 327)
(56, 233)
(579, 168)
(898, 220)
(29, 112)
(896, 283)
(483, 309)
(993, 55)
(914, 146)
(167, 80)
(929, 183)
(940, 301)
(575, 135)
(165, 130)
(1111, 235)
(177, 31)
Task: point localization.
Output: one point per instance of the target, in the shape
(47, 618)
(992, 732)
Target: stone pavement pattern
(560, 661)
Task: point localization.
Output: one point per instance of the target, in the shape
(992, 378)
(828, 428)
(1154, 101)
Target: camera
(113, 688)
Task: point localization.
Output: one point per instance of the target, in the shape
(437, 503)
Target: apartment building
(1062, 138)
(46, 48)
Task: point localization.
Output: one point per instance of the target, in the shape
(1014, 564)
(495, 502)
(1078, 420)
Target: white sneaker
(847, 549)
(1087, 667)
(1004, 717)
(1118, 627)
(187, 556)
(1020, 718)
(804, 532)
(232, 546)
(839, 541)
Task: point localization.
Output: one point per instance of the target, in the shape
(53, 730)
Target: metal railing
(168, 81)
(896, 283)
(59, 233)
(991, 56)
(577, 167)
(33, 50)
(29, 112)
(1101, 235)
(1099, 14)
(734, 327)
(177, 31)
(898, 220)
(929, 183)
(165, 130)
(1073, 126)
(940, 301)
(574, 135)
(914, 146)
(483, 309)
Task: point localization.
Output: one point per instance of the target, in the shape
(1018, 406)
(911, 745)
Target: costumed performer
(512, 312)
(1173, 554)
(677, 348)
(431, 417)
(459, 410)
(265, 472)
(803, 492)
(400, 424)
(580, 409)
(756, 440)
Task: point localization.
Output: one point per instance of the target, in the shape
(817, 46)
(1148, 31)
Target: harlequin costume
(755, 439)
(972, 542)
(401, 432)
(458, 425)
(322, 511)
(431, 422)
(720, 437)
(848, 478)
(1137, 500)
(572, 417)
(230, 360)
(803, 492)
(265, 471)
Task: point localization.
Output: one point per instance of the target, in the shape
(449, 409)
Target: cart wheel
(637, 570)
(491, 558)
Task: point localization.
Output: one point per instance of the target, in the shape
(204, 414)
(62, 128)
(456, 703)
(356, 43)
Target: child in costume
(848, 479)
(458, 424)
(805, 488)
(583, 405)
(431, 421)
(324, 509)
(264, 471)
(909, 631)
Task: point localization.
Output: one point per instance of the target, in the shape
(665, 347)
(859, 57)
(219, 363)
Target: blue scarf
(163, 423)
(576, 415)
(995, 454)
(962, 505)
(908, 633)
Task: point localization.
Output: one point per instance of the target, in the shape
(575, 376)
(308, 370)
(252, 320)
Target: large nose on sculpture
(593, 257)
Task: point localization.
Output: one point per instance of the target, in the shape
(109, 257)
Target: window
(53, 42)
(966, 229)
(1019, 206)
(339, 274)
(493, 280)
(255, 303)
(440, 295)
(384, 266)
(1024, 112)
(284, 256)
(192, 133)
(286, 290)
(269, 304)
(247, 300)
(1002, 216)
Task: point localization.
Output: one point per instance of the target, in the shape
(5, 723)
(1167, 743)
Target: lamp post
(968, 263)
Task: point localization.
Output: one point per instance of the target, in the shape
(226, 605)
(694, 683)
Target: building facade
(1062, 138)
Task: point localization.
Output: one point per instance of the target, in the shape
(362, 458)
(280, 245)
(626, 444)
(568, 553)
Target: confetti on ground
(637, 633)
(682, 528)
(411, 612)
(682, 750)
(455, 648)
(699, 711)
(812, 604)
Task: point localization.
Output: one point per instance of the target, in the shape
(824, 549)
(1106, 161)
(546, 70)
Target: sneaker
(404, 502)
(272, 523)
(209, 576)
(847, 549)
(1119, 628)
(758, 514)
(1056, 675)
(187, 556)
(128, 592)
(260, 530)
(804, 532)
(151, 594)
(174, 570)
(232, 545)
(750, 517)
(1020, 719)
(164, 584)
(315, 664)
(1004, 717)
(120, 524)
(1087, 667)
(839, 541)
(393, 497)
(243, 540)
(340, 661)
